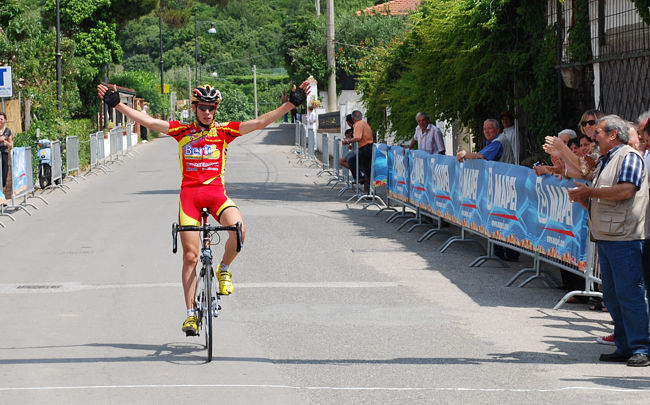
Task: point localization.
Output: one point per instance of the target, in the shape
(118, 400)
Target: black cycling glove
(112, 98)
(297, 97)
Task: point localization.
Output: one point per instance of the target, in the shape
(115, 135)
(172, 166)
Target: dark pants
(5, 168)
(365, 161)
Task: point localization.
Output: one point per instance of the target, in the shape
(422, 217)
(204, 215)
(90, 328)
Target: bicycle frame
(206, 299)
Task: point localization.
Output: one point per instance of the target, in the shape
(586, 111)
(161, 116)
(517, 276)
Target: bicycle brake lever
(239, 242)
(174, 239)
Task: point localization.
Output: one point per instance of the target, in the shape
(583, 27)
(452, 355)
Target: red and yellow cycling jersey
(203, 152)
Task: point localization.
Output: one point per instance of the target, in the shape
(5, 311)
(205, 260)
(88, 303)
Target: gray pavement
(331, 304)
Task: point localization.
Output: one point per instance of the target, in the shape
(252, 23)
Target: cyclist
(203, 146)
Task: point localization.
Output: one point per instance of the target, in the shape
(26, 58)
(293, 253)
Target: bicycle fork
(206, 259)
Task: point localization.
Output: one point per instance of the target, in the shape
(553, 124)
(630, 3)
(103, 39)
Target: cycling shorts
(193, 199)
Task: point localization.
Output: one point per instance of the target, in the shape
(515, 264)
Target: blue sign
(6, 82)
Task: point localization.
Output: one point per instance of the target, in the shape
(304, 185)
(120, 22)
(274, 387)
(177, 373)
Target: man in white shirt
(508, 124)
(427, 136)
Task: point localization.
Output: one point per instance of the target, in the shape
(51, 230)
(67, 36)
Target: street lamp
(211, 30)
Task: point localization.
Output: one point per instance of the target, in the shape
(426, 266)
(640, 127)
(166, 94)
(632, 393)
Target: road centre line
(316, 388)
(66, 287)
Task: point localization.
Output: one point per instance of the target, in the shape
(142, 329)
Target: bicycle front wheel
(207, 312)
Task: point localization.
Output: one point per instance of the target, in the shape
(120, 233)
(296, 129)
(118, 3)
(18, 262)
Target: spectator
(576, 166)
(586, 145)
(620, 190)
(346, 160)
(427, 136)
(574, 145)
(508, 125)
(312, 117)
(362, 134)
(566, 135)
(144, 131)
(6, 142)
(497, 147)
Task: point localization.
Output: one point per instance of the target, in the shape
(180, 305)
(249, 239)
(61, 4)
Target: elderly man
(618, 205)
(496, 148)
(427, 136)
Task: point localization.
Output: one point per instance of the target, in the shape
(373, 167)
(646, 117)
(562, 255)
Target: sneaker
(190, 326)
(225, 285)
(606, 340)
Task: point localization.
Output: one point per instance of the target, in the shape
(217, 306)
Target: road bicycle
(206, 299)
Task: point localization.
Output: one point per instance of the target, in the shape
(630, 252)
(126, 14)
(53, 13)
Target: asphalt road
(332, 305)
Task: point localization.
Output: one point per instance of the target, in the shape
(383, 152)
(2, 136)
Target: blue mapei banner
(418, 163)
(507, 200)
(19, 171)
(441, 179)
(398, 172)
(470, 195)
(556, 227)
(380, 165)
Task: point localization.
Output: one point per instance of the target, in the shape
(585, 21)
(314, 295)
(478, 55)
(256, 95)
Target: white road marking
(66, 287)
(316, 388)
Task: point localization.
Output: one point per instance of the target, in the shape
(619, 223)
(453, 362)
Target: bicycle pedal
(190, 333)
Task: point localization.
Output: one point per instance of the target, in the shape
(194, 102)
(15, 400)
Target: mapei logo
(553, 204)
(469, 183)
(501, 191)
(440, 176)
(417, 175)
(399, 166)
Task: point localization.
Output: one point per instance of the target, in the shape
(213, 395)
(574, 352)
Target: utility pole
(58, 53)
(255, 87)
(162, 65)
(331, 60)
(317, 5)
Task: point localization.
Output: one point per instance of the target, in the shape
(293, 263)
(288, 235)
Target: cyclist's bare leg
(229, 217)
(190, 242)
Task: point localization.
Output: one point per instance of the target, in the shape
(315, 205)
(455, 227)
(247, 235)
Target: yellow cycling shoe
(191, 326)
(225, 285)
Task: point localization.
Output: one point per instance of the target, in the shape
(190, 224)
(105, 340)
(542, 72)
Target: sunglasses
(206, 108)
(590, 122)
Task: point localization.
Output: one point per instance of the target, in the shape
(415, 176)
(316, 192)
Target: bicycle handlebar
(205, 228)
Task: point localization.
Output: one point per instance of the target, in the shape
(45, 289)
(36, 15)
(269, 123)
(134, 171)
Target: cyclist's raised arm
(111, 98)
(296, 98)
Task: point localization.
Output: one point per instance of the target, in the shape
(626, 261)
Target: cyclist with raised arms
(203, 146)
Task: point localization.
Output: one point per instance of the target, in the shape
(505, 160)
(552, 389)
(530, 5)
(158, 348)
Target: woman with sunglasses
(581, 167)
(203, 146)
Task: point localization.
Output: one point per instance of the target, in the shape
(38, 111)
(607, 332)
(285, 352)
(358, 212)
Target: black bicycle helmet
(207, 94)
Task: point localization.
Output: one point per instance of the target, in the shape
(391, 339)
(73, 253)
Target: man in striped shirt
(427, 136)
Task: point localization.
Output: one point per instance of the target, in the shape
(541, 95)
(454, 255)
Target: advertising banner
(556, 227)
(506, 200)
(501, 201)
(470, 195)
(441, 179)
(398, 173)
(19, 171)
(417, 191)
(380, 165)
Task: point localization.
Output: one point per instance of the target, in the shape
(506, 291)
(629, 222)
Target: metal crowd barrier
(72, 157)
(57, 167)
(325, 155)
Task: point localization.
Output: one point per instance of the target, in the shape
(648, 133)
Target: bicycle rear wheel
(207, 311)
